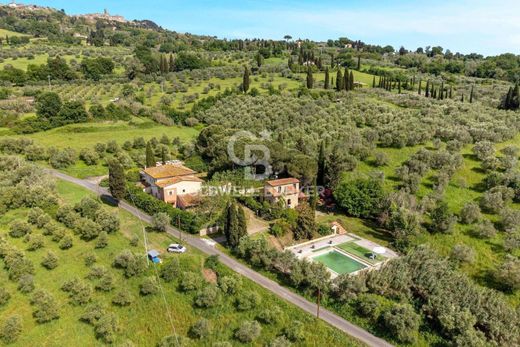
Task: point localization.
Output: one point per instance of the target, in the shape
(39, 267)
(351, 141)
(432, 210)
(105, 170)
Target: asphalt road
(284, 293)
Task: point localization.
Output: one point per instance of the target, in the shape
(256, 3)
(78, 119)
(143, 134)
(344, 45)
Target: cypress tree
(320, 177)
(339, 80)
(230, 223)
(346, 82)
(380, 82)
(399, 86)
(163, 155)
(150, 156)
(259, 59)
(427, 90)
(514, 104)
(462, 98)
(310, 79)
(359, 63)
(116, 179)
(245, 80)
(471, 95)
(374, 82)
(351, 80)
(171, 64)
(441, 94)
(451, 92)
(326, 83)
(305, 223)
(241, 229)
(420, 87)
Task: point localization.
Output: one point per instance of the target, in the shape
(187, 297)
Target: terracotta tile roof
(188, 200)
(175, 180)
(166, 171)
(282, 181)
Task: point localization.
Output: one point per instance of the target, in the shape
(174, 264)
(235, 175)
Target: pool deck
(310, 249)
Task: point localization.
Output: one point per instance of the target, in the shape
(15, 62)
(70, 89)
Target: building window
(288, 202)
(170, 193)
(184, 190)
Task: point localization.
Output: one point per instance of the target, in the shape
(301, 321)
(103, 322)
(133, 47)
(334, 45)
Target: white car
(176, 248)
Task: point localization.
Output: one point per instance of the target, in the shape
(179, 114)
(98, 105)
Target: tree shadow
(109, 200)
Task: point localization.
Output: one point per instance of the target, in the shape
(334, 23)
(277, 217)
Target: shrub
(87, 229)
(442, 219)
(4, 296)
(62, 159)
(508, 274)
(160, 221)
(11, 329)
(190, 281)
(35, 242)
(26, 284)
(109, 222)
(270, 315)
(510, 219)
(102, 240)
(79, 292)
(280, 341)
(174, 341)
(248, 331)
(294, 332)
(247, 301)
(45, 307)
(402, 322)
(470, 213)
(89, 156)
(106, 283)
(123, 298)
(369, 306)
(207, 297)
(66, 242)
(381, 159)
(200, 329)
(19, 229)
(34, 214)
(359, 198)
(485, 229)
(132, 264)
(50, 261)
(90, 259)
(169, 270)
(211, 262)
(148, 286)
(106, 328)
(230, 284)
(462, 254)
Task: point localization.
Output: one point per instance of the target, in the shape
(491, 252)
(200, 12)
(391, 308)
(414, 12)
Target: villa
(287, 189)
(172, 183)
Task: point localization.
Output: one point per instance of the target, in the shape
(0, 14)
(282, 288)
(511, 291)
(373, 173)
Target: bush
(90, 259)
(4, 296)
(485, 229)
(102, 240)
(174, 341)
(123, 298)
(79, 292)
(45, 307)
(89, 156)
(11, 329)
(280, 341)
(230, 284)
(463, 254)
(200, 329)
(442, 219)
(35, 242)
(510, 220)
(248, 331)
(106, 328)
(189, 221)
(294, 332)
(211, 262)
(62, 159)
(270, 315)
(106, 282)
(148, 287)
(190, 281)
(359, 198)
(470, 213)
(402, 322)
(208, 297)
(26, 284)
(66, 242)
(132, 264)
(508, 274)
(247, 301)
(169, 270)
(50, 261)
(160, 221)
(19, 229)
(369, 306)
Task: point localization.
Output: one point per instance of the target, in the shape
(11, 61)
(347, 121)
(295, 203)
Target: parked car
(176, 248)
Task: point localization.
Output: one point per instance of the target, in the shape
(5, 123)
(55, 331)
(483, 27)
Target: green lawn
(361, 252)
(84, 135)
(5, 32)
(146, 321)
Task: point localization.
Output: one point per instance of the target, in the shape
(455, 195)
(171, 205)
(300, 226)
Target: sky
(481, 26)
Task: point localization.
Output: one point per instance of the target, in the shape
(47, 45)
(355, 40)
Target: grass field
(5, 32)
(146, 321)
(86, 135)
(22, 63)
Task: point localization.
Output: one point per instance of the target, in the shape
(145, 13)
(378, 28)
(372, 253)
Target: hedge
(189, 222)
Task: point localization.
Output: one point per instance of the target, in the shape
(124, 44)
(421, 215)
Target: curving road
(326, 315)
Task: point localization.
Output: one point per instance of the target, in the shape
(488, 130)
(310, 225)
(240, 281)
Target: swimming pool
(339, 262)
